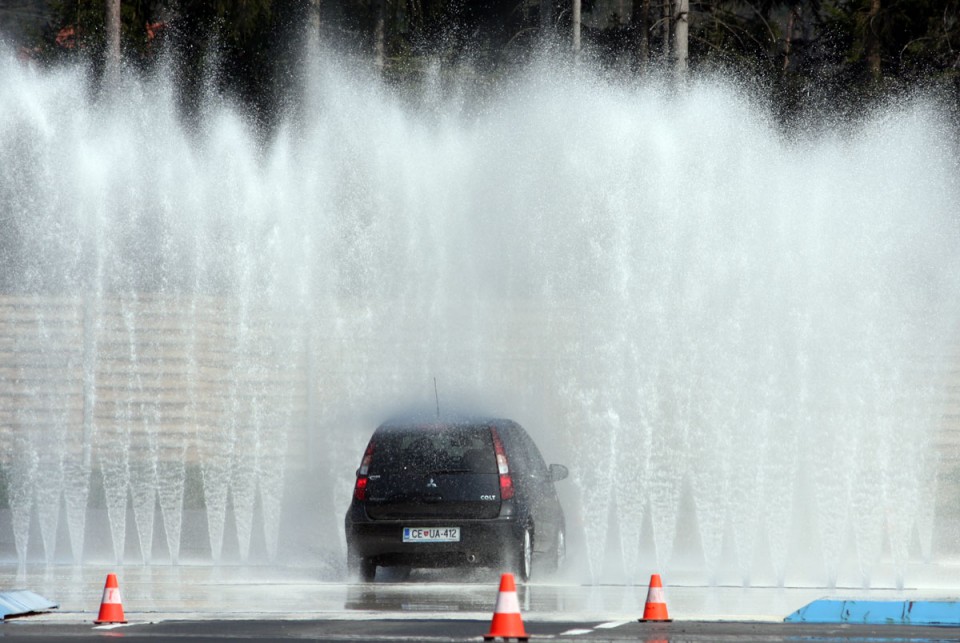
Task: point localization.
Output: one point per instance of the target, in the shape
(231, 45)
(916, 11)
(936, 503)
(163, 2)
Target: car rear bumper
(482, 542)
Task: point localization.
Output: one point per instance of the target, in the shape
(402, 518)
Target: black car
(449, 493)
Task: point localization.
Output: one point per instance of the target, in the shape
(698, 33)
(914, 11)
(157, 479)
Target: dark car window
(537, 465)
(523, 453)
(467, 449)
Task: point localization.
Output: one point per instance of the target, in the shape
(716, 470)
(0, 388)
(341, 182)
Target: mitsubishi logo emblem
(432, 484)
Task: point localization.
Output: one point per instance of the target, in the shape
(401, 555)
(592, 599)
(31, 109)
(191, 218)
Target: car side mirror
(558, 472)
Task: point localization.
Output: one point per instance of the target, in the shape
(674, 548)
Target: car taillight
(360, 489)
(503, 467)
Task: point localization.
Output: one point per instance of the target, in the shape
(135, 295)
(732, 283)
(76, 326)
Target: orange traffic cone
(656, 607)
(111, 608)
(507, 623)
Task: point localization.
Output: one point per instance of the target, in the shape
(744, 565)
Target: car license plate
(431, 534)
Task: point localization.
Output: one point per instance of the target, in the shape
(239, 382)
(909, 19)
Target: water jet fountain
(684, 304)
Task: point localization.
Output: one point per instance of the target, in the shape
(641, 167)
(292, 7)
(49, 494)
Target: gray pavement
(216, 603)
(239, 592)
(388, 630)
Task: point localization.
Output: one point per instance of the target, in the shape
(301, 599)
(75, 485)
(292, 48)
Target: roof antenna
(437, 396)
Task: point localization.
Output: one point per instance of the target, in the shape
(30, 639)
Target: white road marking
(610, 625)
(574, 632)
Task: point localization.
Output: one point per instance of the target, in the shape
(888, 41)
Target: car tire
(399, 573)
(560, 551)
(366, 570)
(363, 567)
(522, 559)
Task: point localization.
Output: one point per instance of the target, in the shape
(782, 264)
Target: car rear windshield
(447, 449)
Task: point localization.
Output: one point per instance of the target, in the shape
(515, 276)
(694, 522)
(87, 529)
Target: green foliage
(913, 35)
(78, 27)
(794, 46)
(237, 35)
(834, 46)
(236, 22)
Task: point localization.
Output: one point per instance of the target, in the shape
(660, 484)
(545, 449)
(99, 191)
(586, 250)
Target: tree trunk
(788, 36)
(113, 35)
(680, 37)
(380, 36)
(314, 22)
(576, 27)
(872, 39)
(667, 9)
(547, 19)
(640, 25)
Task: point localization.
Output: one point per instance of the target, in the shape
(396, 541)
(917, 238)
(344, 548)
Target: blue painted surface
(932, 612)
(21, 601)
(879, 612)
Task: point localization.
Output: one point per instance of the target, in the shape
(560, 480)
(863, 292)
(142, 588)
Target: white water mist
(684, 303)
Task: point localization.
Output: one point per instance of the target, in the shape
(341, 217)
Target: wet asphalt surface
(464, 630)
(215, 604)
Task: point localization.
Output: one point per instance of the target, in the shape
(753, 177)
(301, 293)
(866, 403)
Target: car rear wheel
(366, 570)
(363, 567)
(560, 552)
(522, 560)
(398, 573)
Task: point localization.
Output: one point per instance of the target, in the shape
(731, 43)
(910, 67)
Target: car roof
(433, 422)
